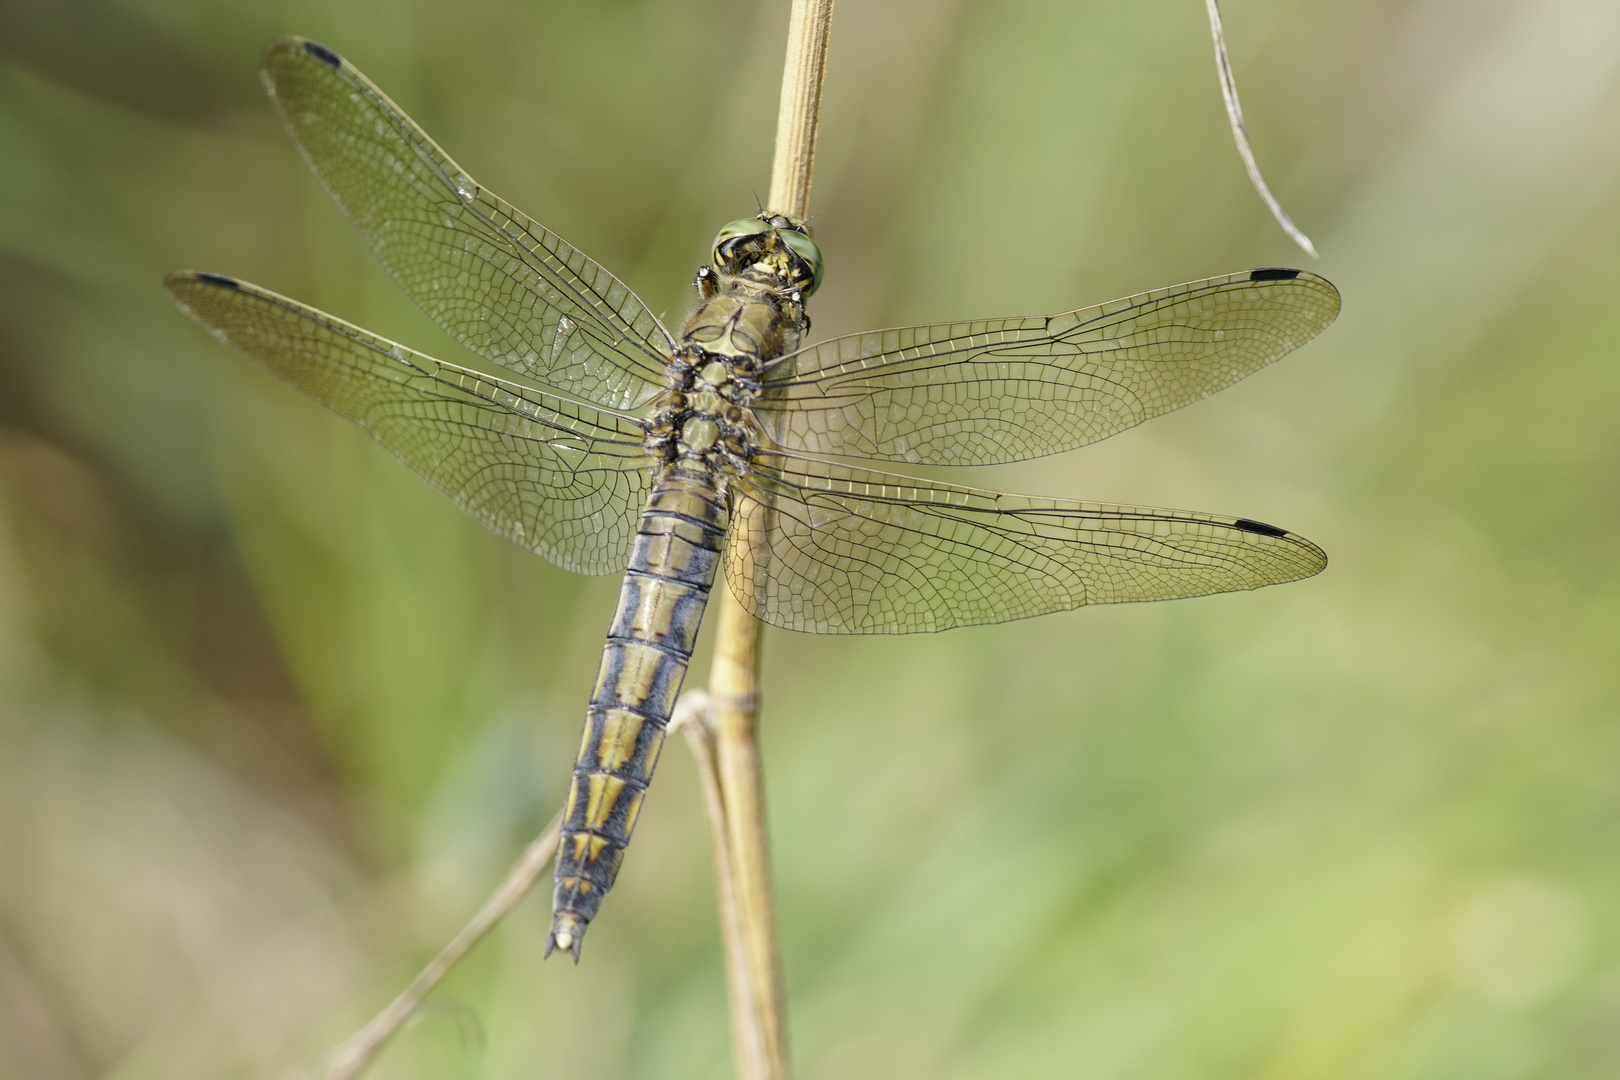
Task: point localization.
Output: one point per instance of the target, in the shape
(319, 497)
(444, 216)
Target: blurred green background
(273, 715)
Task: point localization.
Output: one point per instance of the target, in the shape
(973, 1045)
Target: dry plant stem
(753, 963)
(799, 116)
(348, 1058)
(694, 717)
(1234, 113)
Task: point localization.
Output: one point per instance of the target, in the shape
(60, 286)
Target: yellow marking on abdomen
(587, 847)
(603, 795)
(657, 608)
(620, 732)
(638, 670)
(632, 810)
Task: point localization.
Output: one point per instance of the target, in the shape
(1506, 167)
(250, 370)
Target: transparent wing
(820, 547)
(508, 288)
(564, 480)
(976, 393)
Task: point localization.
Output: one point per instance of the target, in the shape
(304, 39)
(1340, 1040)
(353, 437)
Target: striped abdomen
(648, 647)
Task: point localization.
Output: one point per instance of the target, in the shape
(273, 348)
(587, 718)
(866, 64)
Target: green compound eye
(741, 227)
(806, 249)
(797, 242)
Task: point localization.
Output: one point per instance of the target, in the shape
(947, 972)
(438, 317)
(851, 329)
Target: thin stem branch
(694, 717)
(1240, 133)
(345, 1060)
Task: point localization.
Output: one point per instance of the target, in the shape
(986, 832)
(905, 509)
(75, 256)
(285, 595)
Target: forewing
(824, 548)
(564, 480)
(976, 393)
(505, 286)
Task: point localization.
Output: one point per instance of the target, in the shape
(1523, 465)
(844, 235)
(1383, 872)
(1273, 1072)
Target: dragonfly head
(779, 245)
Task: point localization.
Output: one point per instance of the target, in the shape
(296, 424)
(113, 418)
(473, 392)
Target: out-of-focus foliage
(273, 715)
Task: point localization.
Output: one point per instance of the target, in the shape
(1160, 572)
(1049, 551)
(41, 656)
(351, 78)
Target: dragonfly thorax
(744, 322)
(705, 414)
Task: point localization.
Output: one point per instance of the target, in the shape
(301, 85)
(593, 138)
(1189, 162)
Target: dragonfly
(733, 448)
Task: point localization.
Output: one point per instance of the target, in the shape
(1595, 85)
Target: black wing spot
(1258, 527)
(219, 279)
(1273, 273)
(323, 54)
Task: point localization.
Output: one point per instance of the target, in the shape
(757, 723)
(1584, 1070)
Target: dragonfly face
(675, 458)
(782, 249)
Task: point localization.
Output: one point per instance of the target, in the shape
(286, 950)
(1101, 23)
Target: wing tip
(179, 281)
(293, 44)
(1260, 528)
(1304, 277)
(322, 53)
(1316, 559)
